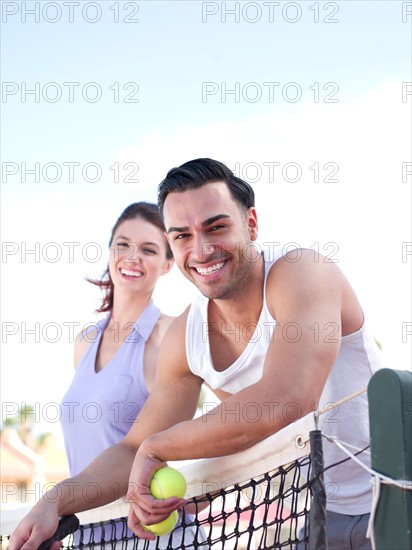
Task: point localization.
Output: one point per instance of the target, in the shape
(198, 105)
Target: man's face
(210, 236)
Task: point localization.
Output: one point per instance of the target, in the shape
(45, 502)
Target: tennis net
(258, 499)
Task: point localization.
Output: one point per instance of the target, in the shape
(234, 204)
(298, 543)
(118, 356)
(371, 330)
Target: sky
(308, 101)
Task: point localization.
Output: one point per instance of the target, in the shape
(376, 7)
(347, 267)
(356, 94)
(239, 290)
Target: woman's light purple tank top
(99, 408)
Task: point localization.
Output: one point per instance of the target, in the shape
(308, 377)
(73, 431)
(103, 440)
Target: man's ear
(252, 223)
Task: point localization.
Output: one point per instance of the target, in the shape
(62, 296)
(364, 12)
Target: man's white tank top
(348, 485)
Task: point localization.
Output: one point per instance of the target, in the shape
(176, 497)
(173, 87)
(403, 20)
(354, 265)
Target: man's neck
(244, 307)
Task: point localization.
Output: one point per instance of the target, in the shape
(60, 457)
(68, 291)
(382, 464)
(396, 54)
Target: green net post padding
(390, 415)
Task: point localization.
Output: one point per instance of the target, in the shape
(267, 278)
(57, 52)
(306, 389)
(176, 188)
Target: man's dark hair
(199, 172)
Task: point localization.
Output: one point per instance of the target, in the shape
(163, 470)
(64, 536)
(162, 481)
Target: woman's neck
(128, 308)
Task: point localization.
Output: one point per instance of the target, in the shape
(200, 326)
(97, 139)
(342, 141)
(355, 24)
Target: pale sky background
(338, 122)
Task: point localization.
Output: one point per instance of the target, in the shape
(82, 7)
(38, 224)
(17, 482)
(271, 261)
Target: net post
(317, 514)
(390, 417)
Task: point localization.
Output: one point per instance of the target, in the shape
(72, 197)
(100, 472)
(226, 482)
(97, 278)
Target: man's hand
(144, 509)
(39, 525)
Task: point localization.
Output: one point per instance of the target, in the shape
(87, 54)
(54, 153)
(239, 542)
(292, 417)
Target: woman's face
(137, 256)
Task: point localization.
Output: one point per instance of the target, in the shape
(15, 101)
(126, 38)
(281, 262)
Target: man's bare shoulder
(303, 264)
(180, 320)
(167, 323)
(175, 327)
(163, 324)
(303, 274)
(172, 353)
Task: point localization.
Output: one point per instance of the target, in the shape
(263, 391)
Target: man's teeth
(131, 273)
(211, 269)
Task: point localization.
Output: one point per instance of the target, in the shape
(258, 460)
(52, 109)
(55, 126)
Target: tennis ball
(164, 526)
(168, 482)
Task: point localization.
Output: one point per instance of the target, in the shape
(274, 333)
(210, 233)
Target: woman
(115, 359)
(115, 363)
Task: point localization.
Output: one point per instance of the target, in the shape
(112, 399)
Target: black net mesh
(267, 512)
(272, 510)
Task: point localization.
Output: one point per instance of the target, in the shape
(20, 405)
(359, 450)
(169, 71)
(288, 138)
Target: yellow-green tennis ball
(164, 526)
(168, 482)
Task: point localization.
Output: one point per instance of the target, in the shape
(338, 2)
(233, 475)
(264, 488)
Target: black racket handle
(67, 525)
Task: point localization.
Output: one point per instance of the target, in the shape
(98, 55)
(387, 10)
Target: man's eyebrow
(177, 229)
(205, 223)
(214, 219)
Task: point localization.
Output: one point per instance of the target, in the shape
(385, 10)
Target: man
(312, 348)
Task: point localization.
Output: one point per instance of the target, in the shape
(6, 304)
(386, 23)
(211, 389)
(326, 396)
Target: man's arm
(301, 296)
(170, 402)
